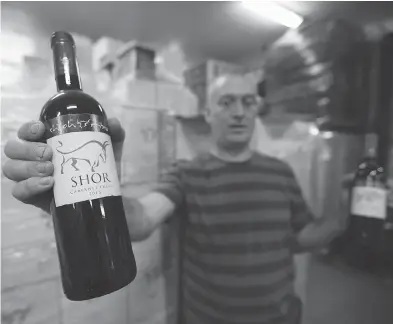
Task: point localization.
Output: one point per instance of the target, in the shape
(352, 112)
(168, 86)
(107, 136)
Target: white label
(369, 202)
(84, 167)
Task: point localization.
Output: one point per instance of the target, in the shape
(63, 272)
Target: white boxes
(103, 48)
(84, 52)
(135, 60)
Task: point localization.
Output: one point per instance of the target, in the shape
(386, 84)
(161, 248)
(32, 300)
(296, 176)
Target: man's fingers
(348, 180)
(117, 132)
(18, 170)
(32, 187)
(27, 151)
(118, 135)
(32, 131)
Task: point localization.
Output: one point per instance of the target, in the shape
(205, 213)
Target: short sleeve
(301, 214)
(171, 183)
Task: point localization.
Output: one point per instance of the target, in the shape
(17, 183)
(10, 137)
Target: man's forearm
(147, 213)
(137, 222)
(317, 234)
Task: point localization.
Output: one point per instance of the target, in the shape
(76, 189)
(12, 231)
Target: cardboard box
(108, 309)
(32, 304)
(177, 99)
(103, 48)
(135, 60)
(84, 52)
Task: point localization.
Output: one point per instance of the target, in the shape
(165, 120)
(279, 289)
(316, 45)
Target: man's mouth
(237, 126)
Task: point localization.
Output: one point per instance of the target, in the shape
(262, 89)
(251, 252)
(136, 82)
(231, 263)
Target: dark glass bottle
(368, 209)
(93, 242)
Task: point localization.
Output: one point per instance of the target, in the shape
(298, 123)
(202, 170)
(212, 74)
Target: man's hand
(337, 224)
(322, 231)
(30, 163)
(343, 216)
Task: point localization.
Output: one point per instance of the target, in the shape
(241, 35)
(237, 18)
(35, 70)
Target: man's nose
(238, 110)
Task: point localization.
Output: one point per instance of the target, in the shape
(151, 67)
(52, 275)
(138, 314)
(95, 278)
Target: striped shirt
(240, 219)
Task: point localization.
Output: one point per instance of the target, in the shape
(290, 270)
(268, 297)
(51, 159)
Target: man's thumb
(117, 132)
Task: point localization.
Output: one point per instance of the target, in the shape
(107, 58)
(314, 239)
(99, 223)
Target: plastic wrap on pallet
(320, 72)
(319, 42)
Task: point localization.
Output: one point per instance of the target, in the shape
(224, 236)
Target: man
(244, 213)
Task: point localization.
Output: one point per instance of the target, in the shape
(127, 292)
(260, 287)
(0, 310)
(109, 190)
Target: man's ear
(207, 115)
(263, 108)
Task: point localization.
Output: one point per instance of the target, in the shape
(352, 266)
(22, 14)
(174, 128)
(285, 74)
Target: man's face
(233, 108)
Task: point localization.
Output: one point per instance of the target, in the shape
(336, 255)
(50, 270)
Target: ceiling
(222, 30)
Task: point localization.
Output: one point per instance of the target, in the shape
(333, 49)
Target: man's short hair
(219, 81)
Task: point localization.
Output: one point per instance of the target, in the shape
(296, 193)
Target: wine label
(83, 158)
(369, 202)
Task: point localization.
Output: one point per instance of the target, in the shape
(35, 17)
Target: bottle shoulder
(370, 164)
(71, 102)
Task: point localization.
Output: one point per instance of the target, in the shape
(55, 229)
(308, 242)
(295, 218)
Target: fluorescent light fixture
(274, 12)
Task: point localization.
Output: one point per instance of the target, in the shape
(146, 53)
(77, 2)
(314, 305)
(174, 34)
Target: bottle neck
(371, 145)
(371, 152)
(66, 67)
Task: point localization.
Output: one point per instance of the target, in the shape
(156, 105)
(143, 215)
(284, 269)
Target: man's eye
(249, 101)
(226, 102)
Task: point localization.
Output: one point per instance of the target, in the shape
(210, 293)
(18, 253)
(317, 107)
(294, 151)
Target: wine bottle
(368, 207)
(92, 238)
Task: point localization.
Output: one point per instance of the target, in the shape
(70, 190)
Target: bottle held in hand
(369, 191)
(93, 242)
(368, 206)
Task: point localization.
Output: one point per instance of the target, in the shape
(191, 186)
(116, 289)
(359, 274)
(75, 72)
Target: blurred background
(326, 83)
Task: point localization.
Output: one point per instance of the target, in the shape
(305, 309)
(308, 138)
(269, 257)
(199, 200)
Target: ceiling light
(274, 12)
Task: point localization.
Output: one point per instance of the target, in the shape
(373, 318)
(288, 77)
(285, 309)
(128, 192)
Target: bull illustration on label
(91, 152)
